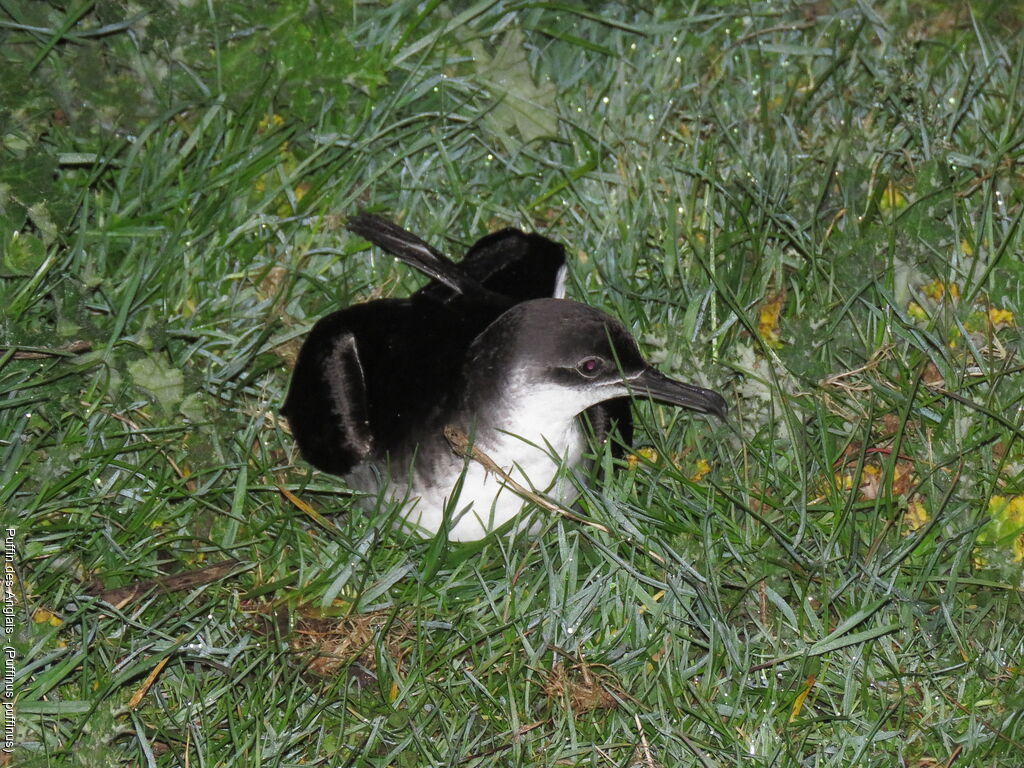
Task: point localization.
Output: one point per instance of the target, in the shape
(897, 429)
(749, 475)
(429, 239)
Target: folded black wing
(327, 406)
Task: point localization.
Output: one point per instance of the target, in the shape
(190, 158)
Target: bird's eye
(590, 366)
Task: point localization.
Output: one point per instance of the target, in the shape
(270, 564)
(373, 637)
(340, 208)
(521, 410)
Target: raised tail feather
(415, 252)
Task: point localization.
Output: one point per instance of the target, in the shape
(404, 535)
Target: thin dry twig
(174, 582)
(70, 349)
(645, 748)
(140, 694)
(839, 380)
(182, 475)
(770, 31)
(459, 442)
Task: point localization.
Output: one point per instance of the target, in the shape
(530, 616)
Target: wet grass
(815, 210)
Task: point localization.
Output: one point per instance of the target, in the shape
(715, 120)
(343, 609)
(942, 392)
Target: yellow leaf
(936, 289)
(654, 598)
(1015, 510)
(798, 704)
(768, 320)
(646, 453)
(842, 482)
(140, 694)
(933, 290)
(269, 120)
(43, 616)
(870, 482)
(892, 199)
(1000, 318)
(312, 513)
(916, 517)
(1008, 510)
(702, 470)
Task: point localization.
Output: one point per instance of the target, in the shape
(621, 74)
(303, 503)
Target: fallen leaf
(165, 384)
(523, 104)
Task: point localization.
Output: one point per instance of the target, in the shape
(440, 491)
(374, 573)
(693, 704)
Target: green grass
(771, 197)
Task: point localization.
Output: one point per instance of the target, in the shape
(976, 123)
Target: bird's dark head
(571, 356)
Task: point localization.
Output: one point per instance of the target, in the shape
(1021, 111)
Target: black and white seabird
(488, 346)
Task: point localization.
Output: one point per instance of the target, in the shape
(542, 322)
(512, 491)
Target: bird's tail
(415, 252)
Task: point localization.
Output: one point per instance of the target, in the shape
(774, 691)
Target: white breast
(484, 502)
(533, 434)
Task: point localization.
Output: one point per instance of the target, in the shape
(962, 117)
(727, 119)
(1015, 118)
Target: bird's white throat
(535, 438)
